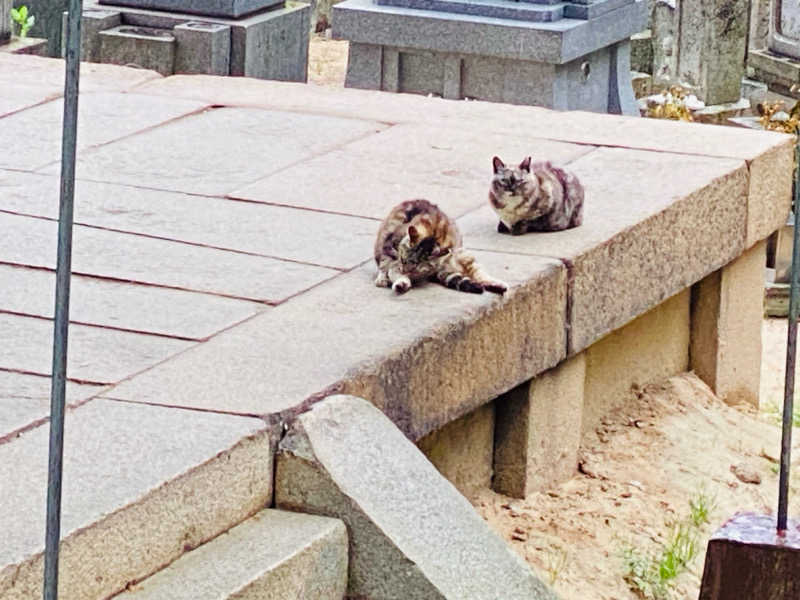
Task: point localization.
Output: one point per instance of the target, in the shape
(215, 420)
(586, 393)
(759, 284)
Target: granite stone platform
(223, 282)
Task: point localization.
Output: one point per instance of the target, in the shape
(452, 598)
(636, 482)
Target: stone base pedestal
(561, 63)
(272, 44)
(780, 73)
(747, 559)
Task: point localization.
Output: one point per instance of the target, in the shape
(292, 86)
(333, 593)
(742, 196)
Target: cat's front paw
(519, 228)
(469, 286)
(382, 280)
(402, 285)
(502, 228)
(496, 287)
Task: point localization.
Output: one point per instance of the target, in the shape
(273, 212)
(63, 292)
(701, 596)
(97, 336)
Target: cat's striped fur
(418, 242)
(535, 197)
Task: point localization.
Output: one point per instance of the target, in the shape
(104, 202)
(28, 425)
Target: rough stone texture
(18, 96)
(92, 23)
(538, 430)
(25, 400)
(412, 535)
(103, 253)
(28, 46)
(462, 450)
(143, 47)
(28, 345)
(440, 164)
(784, 29)
(202, 48)
(665, 25)
(712, 45)
(780, 73)
(452, 357)
(770, 193)
(209, 8)
(121, 305)
(650, 348)
(5, 20)
(759, 24)
(747, 558)
(621, 262)
(219, 150)
(102, 118)
(642, 52)
(324, 239)
(274, 555)
(727, 307)
(195, 476)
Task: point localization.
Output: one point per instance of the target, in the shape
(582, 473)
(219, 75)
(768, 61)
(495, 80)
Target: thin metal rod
(791, 359)
(61, 327)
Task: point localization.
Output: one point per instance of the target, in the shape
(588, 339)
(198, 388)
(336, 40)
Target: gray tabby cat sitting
(535, 197)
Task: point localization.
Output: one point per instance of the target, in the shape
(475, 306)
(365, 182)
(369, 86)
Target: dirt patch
(327, 60)
(638, 473)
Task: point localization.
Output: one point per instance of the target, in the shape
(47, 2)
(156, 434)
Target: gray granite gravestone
(267, 40)
(563, 55)
(5, 20)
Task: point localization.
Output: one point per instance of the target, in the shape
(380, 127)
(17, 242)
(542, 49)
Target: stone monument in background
(265, 39)
(562, 55)
(5, 21)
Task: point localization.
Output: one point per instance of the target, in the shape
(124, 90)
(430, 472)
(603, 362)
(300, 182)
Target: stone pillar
(711, 48)
(538, 430)
(5, 20)
(727, 309)
(664, 25)
(202, 48)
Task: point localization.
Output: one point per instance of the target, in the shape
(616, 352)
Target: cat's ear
(498, 164)
(525, 165)
(413, 234)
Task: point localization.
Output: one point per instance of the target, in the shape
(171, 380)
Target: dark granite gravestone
(747, 560)
(232, 9)
(48, 21)
(5, 20)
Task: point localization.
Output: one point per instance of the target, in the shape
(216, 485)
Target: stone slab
(444, 165)
(592, 9)
(144, 47)
(555, 42)
(622, 262)
(202, 48)
(32, 242)
(413, 536)
(458, 350)
(748, 558)
(273, 555)
(28, 346)
(578, 127)
(18, 96)
(25, 400)
(209, 8)
(538, 432)
(102, 117)
(498, 9)
(769, 193)
(219, 150)
(462, 451)
(120, 305)
(94, 77)
(324, 239)
(141, 486)
(28, 45)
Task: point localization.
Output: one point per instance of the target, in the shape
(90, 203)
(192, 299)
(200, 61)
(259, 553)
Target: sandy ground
(670, 441)
(327, 60)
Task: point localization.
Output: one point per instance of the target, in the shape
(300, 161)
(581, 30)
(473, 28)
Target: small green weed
(23, 20)
(700, 507)
(775, 413)
(556, 561)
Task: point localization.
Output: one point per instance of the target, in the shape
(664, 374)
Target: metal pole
(63, 270)
(791, 356)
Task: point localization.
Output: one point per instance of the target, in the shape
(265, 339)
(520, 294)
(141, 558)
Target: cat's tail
(473, 271)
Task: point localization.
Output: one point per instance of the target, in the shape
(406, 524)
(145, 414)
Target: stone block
(458, 352)
(642, 52)
(92, 23)
(232, 9)
(5, 20)
(727, 309)
(748, 558)
(538, 430)
(273, 555)
(202, 48)
(621, 264)
(665, 27)
(412, 535)
(497, 9)
(364, 66)
(142, 485)
(462, 450)
(769, 197)
(652, 347)
(759, 24)
(272, 45)
(28, 45)
(712, 45)
(145, 47)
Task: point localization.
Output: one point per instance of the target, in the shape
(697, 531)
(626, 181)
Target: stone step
(232, 9)
(498, 9)
(273, 555)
